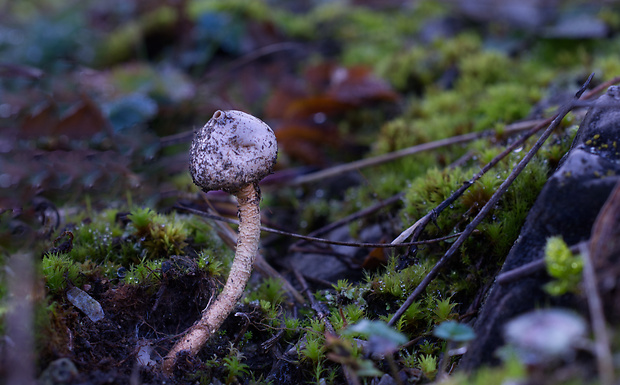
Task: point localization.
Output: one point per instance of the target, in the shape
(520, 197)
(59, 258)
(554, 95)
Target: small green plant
(291, 327)
(144, 273)
(453, 331)
(563, 266)
(209, 262)
(398, 283)
(234, 367)
(142, 219)
(428, 365)
(314, 349)
(269, 290)
(58, 269)
(412, 318)
(427, 348)
(159, 235)
(443, 310)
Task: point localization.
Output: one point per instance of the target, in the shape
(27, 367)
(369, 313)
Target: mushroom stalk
(232, 152)
(248, 200)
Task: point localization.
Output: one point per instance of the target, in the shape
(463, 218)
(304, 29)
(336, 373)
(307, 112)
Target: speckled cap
(232, 150)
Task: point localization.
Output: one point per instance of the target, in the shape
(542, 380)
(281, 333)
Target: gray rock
(568, 206)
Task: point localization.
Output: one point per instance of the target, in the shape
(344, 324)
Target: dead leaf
(375, 259)
(82, 121)
(40, 123)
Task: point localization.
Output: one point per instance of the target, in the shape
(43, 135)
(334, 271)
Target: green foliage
(428, 191)
(427, 348)
(504, 103)
(269, 290)
(314, 348)
(144, 273)
(397, 283)
(317, 325)
(93, 238)
(159, 235)
(353, 313)
(142, 220)
(101, 245)
(234, 367)
(58, 269)
(563, 266)
(428, 365)
(413, 318)
(443, 310)
(291, 327)
(209, 262)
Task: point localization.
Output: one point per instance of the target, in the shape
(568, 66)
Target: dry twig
(604, 358)
(314, 239)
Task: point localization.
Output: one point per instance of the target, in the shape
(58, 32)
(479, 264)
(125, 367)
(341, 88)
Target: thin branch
(252, 56)
(181, 137)
(486, 209)
(360, 214)
(314, 239)
(374, 161)
(604, 358)
(527, 269)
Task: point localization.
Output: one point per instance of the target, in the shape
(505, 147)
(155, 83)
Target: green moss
(58, 269)
(504, 103)
(414, 319)
(102, 245)
(444, 310)
(563, 266)
(314, 349)
(144, 273)
(269, 290)
(398, 284)
(159, 235)
(428, 365)
(212, 264)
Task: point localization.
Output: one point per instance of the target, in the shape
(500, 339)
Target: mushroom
(232, 152)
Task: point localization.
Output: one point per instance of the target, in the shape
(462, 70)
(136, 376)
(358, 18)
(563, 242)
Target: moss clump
(563, 266)
(129, 248)
(157, 234)
(58, 269)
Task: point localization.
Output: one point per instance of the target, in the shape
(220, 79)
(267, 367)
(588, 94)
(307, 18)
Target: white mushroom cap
(232, 150)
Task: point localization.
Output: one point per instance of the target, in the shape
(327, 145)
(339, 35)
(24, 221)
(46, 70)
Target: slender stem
(247, 246)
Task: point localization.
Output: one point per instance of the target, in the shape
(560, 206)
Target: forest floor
(382, 111)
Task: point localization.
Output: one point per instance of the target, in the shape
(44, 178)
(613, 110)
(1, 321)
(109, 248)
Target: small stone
(60, 371)
(87, 304)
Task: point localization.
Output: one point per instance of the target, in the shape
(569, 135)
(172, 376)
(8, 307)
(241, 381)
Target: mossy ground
(112, 226)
